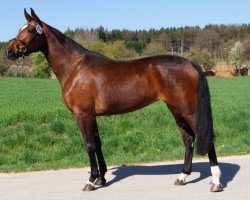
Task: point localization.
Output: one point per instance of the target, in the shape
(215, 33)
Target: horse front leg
(86, 126)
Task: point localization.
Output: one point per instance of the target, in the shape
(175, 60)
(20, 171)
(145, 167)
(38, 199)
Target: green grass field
(37, 132)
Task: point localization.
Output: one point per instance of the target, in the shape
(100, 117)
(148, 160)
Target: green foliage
(69, 32)
(18, 71)
(101, 33)
(209, 40)
(138, 46)
(98, 46)
(201, 57)
(114, 50)
(40, 66)
(154, 48)
(84, 37)
(3, 69)
(245, 56)
(234, 56)
(4, 66)
(37, 132)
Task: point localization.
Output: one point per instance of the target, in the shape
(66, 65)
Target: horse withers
(94, 85)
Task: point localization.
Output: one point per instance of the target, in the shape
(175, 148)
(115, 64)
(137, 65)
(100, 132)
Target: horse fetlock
(216, 173)
(100, 181)
(94, 174)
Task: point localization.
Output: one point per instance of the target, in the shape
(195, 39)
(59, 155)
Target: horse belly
(125, 99)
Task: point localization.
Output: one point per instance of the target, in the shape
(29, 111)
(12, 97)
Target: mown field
(37, 132)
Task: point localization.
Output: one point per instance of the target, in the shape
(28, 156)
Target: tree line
(205, 46)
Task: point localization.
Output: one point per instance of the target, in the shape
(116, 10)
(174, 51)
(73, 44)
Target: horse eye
(31, 30)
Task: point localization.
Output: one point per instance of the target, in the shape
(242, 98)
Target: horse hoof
(179, 182)
(100, 181)
(216, 188)
(89, 187)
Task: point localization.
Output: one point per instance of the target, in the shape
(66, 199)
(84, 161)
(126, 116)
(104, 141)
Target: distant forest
(206, 46)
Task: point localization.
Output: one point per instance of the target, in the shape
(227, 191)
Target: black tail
(204, 130)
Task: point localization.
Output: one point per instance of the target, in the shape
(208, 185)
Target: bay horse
(94, 85)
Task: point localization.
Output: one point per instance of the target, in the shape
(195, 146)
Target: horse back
(103, 86)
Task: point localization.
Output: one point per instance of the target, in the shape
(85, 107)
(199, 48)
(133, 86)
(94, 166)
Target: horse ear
(35, 17)
(27, 16)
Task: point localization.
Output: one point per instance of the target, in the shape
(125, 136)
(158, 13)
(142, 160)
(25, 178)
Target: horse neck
(60, 53)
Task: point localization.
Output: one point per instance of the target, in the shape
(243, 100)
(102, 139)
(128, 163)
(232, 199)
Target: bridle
(38, 32)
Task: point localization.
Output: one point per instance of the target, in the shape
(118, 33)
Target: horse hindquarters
(193, 116)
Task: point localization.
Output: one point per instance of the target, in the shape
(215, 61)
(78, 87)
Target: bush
(114, 50)
(3, 69)
(154, 48)
(201, 57)
(40, 66)
(138, 46)
(235, 55)
(19, 71)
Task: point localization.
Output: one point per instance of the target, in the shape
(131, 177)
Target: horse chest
(78, 99)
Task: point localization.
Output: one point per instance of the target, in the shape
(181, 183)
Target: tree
(234, 57)
(4, 65)
(154, 48)
(40, 66)
(138, 46)
(118, 50)
(245, 56)
(201, 57)
(114, 50)
(69, 32)
(210, 40)
(101, 33)
(98, 46)
(85, 37)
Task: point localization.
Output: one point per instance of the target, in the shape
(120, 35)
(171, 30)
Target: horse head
(29, 39)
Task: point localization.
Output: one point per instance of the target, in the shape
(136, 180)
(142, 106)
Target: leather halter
(25, 44)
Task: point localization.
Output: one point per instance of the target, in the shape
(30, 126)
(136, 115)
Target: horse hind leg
(187, 126)
(215, 170)
(188, 137)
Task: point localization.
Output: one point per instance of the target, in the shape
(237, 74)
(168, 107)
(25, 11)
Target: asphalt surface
(137, 182)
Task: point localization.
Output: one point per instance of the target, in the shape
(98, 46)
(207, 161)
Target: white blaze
(23, 27)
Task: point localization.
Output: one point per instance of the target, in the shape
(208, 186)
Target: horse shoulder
(78, 92)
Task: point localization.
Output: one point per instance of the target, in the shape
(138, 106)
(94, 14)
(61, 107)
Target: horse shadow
(228, 170)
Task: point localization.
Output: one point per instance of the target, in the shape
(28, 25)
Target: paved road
(149, 181)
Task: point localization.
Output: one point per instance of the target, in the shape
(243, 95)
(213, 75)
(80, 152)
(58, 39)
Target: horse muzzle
(13, 55)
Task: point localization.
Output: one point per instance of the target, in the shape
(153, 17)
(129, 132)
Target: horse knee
(90, 147)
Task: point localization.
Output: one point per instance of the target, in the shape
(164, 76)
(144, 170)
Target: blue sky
(129, 14)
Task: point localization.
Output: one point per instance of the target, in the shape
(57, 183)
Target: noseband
(38, 32)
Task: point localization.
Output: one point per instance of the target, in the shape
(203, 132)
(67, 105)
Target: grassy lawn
(37, 132)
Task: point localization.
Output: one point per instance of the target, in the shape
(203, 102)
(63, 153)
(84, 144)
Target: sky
(120, 14)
